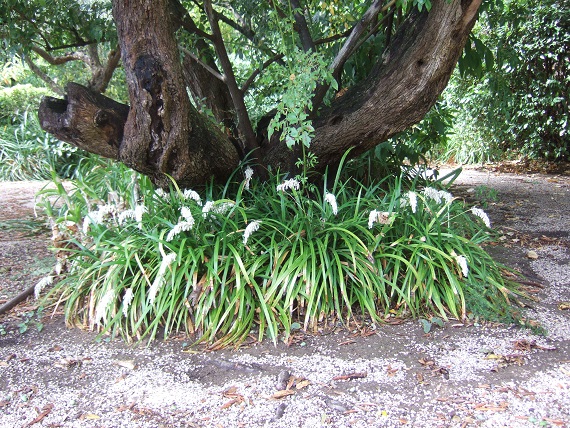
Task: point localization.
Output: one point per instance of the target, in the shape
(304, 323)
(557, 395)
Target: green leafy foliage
(518, 105)
(27, 152)
(143, 261)
(306, 69)
(17, 99)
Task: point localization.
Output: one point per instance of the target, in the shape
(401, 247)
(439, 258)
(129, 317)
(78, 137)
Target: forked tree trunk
(164, 135)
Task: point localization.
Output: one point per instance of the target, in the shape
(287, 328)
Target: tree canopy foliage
(262, 78)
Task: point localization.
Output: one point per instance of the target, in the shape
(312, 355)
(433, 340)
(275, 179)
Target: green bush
(142, 260)
(518, 103)
(29, 153)
(18, 99)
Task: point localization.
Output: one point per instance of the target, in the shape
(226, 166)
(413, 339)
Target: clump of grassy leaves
(260, 256)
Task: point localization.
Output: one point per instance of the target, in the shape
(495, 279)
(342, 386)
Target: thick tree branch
(245, 30)
(182, 18)
(85, 119)
(164, 135)
(108, 70)
(244, 123)
(259, 70)
(209, 69)
(199, 69)
(349, 47)
(404, 84)
(37, 71)
(302, 28)
(62, 59)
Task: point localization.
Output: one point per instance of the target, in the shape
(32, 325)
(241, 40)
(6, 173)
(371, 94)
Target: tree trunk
(164, 134)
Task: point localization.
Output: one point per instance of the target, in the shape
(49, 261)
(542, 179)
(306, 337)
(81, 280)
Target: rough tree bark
(164, 134)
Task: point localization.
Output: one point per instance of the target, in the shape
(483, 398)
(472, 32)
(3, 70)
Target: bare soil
(464, 374)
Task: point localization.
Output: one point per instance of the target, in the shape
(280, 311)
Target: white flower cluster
(331, 199)
(191, 194)
(185, 223)
(127, 300)
(98, 216)
(161, 193)
(413, 200)
(159, 279)
(211, 206)
(462, 262)
(438, 195)
(288, 185)
(42, 283)
(103, 304)
(382, 217)
(478, 212)
(248, 173)
(135, 214)
(250, 228)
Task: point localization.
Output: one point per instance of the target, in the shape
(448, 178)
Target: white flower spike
(248, 173)
(331, 199)
(413, 201)
(478, 212)
(251, 227)
(288, 185)
(462, 262)
(159, 280)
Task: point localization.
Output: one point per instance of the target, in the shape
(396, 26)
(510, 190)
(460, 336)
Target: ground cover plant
(29, 153)
(264, 257)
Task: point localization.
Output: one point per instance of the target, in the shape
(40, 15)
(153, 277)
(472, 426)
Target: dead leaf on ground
(556, 422)
(533, 255)
(425, 362)
(125, 407)
(44, 412)
(491, 407)
(527, 345)
(391, 371)
(280, 394)
(128, 364)
(351, 376)
(231, 403)
(564, 306)
(91, 416)
(66, 363)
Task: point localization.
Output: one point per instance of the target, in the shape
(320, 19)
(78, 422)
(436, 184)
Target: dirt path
(460, 375)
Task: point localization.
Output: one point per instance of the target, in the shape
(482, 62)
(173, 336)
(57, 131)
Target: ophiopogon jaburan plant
(144, 261)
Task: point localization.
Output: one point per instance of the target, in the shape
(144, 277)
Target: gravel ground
(476, 374)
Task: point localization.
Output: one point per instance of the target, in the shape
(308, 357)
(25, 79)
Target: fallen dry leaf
(533, 255)
(280, 394)
(302, 384)
(526, 345)
(44, 412)
(128, 364)
(91, 416)
(556, 422)
(231, 403)
(351, 376)
(125, 407)
(391, 371)
(66, 363)
(492, 408)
